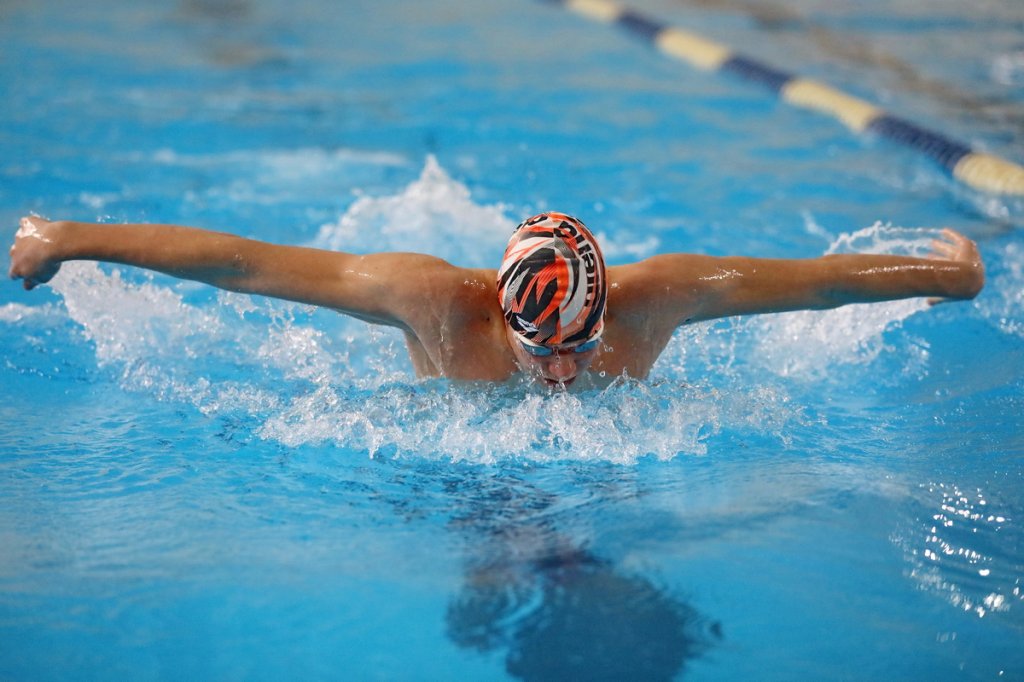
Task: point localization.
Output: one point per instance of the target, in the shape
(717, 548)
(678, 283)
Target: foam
(883, 238)
(129, 322)
(622, 424)
(810, 344)
(1002, 302)
(434, 215)
(16, 312)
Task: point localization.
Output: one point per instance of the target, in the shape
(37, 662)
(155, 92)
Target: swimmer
(552, 311)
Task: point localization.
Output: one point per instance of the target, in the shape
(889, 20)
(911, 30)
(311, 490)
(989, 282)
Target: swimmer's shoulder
(463, 296)
(648, 281)
(475, 294)
(460, 326)
(663, 290)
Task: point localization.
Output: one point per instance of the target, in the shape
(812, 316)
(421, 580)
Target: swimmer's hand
(958, 249)
(32, 255)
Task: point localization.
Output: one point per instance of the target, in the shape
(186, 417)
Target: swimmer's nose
(562, 367)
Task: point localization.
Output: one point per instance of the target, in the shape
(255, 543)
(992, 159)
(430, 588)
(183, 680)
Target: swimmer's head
(551, 285)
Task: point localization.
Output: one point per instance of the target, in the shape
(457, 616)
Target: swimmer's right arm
(377, 288)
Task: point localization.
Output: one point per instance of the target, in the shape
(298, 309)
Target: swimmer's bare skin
(450, 316)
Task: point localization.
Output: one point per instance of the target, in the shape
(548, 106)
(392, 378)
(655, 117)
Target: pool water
(195, 484)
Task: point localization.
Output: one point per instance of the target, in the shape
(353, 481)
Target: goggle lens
(539, 351)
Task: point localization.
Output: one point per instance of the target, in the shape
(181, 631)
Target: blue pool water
(200, 485)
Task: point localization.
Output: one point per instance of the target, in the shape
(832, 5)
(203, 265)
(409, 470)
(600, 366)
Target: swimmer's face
(561, 367)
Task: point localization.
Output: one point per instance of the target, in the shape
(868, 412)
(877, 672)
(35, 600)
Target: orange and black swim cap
(552, 285)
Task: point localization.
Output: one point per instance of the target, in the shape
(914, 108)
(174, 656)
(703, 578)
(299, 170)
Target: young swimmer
(552, 310)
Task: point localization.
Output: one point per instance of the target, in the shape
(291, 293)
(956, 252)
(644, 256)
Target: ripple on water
(961, 549)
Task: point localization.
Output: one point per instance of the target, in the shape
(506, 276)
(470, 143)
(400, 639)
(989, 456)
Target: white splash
(434, 214)
(622, 424)
(882, 238)
(16, 312)
(809, 343)
(130, 322)
(1002, 301)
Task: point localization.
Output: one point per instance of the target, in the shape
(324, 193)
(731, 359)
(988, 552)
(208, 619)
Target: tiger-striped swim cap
(551, 284)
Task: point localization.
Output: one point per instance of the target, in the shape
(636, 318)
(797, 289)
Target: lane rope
(980, 170)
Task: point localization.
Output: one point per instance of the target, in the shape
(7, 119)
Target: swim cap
(551, 284)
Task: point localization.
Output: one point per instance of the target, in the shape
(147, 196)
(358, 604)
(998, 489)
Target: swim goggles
(540, 351)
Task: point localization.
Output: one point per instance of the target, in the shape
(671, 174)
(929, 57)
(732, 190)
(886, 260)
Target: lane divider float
(980, 170)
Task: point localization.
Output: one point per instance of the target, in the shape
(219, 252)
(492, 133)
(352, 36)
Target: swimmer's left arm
(705, 287)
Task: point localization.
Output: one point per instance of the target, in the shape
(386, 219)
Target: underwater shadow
(562, 612)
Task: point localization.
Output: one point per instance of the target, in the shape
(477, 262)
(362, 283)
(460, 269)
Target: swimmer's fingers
(957, 248)
(38, 276)
(29, 282)
(31, 254)
(944, 250)
(953, 246)
(949, 244)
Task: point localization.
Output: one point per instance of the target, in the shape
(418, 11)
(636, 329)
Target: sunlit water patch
(961, 550)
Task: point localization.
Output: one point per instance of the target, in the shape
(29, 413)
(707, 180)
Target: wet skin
(451, 317)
